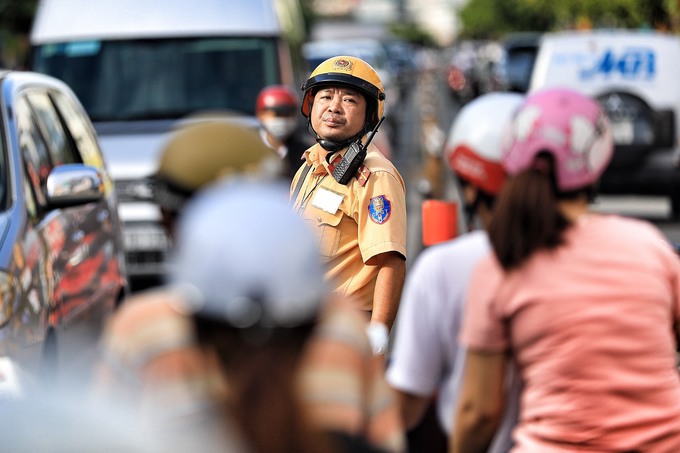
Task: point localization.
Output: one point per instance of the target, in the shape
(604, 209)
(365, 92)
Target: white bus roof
(70, 20)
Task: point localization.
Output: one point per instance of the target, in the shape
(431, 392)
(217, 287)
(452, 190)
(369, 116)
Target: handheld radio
(353, 158)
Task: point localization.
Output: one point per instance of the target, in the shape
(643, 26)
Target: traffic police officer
(361, 223)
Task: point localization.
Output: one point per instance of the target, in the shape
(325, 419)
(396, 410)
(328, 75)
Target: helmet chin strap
(330, 145)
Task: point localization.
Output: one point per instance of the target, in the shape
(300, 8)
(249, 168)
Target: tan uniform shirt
(354, 222)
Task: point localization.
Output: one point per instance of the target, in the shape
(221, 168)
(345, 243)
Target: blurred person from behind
(426, 359)
(201, 153)
(586, 304)
(149, 355)
(354, 196)
(254, 290)
(149, 359)
(276, 109)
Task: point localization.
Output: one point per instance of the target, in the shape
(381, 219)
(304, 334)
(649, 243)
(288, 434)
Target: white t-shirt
(425, 356)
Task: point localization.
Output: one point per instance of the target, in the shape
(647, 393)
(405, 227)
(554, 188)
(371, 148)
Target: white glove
(379, 337)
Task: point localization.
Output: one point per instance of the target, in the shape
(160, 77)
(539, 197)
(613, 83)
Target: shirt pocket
(329, 233)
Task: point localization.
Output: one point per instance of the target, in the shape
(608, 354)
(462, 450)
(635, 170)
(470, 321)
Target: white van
(634, 75)
(139, 66)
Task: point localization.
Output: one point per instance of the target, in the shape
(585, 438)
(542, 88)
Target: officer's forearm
(388, 287)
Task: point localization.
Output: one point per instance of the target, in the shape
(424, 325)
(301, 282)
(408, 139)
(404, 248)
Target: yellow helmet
(199, 154)
(349, 71)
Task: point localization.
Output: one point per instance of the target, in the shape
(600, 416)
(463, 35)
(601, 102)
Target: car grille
(146, 263)
(146, 247)
(130, 190)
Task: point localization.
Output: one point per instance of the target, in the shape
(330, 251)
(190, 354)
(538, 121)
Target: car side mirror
(74, 184)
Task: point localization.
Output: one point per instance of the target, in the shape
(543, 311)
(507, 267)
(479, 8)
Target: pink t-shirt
(591, 327)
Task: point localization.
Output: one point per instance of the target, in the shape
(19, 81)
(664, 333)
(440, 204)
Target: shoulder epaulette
(363, 173)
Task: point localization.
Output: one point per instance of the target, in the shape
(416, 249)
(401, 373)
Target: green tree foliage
(16, 19)
(412, 33)
(307, 8)
(494, 18)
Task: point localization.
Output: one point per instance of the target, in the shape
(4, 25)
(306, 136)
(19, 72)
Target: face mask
(281, 128)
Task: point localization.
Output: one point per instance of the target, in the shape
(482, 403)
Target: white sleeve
(416, 359)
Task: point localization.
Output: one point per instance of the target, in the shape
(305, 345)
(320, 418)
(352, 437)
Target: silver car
(62, 266)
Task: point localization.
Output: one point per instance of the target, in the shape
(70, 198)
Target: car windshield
(518, 66)
(162, 78)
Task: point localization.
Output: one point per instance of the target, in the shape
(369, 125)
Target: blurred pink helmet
(473, 150)
(566, 124)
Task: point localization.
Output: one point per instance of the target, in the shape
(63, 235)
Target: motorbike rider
(586, 304)
(216, 153)
(426, 358)
(276, 109)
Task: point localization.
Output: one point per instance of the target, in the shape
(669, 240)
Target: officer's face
(338, 113)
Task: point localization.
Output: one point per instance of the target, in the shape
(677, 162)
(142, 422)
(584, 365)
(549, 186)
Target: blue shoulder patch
(379, 209)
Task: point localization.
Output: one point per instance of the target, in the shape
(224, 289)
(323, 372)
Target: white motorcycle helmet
(474, 147)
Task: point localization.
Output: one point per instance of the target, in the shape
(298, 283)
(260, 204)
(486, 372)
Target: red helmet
(279, 98)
